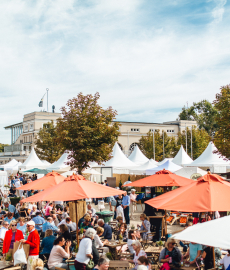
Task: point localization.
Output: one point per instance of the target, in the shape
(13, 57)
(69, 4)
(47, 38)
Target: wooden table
(119, 264)
(112, 245)
(153, 254)
(5, 265)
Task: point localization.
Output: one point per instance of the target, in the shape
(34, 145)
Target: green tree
(222, 136)
(204, 113)
(87, 131)
(46, 144)
(200, 140)
(170, 145)
(2, 147)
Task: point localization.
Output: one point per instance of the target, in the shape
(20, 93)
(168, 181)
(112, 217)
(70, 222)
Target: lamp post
(154, 145)
(191, 143)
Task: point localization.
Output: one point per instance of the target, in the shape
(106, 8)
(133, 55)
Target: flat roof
(13, 125)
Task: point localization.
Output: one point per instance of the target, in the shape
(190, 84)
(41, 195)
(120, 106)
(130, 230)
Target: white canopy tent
(150, 164)
(32, 162)
(211, 160)
(213, 233)
(46, 162)
(155, 162)
(3, 178)
(137, 156)
(182, 158)
(13, 169)
(191, 172)
(60, 164)
(168, 165)
(164, 160)
(10, 164)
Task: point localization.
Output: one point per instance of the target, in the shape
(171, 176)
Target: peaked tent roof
(46, 162)
(10, 164)
(189, 171)
(155, 162)
(14, 168)
(182, 158)
(137, 156)
(119, 160)
(164, 160)
(168, 165)
(60, 163)
(208, 158)
(33, 162)
(150, 164)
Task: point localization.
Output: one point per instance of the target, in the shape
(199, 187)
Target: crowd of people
(51, 235)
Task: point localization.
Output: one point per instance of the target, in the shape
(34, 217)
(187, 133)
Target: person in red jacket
(11, 236)
(34, 242)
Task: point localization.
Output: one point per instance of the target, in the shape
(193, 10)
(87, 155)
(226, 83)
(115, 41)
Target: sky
(147, 59)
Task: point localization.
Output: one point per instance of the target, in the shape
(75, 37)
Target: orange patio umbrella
(163, 178)
(49, 180)
(74, 187)
(209, 193)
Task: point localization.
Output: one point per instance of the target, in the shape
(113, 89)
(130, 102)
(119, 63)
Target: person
(65, 232)
(55, 220)
(122, 232)
(5, 199)
(103, 263)
(107, 234)
(106, 184)
(21, 225)
(89, 207)
(125, 204)
(12, 209)
(98, 242)
(145, 226)
(85, 250)
(49, 209)
(119, 221)
(19, 205)
(24, 210)
(57, 253)
(87, 223)
(3, 230)
(92, 219)
(131, 238)
(170, 254)
(207, 255)
(144, 261)
(194, 251)
(17, 185)
(33, 211)
(226, 261)
(138, 253)
(11, 236)
(71, 225)
(47, 243)
(65, 214)
(9, 217)
(118, 203)
(37, 264)
(38, 219)
(34, 242)
(133, 202)
(48, 225)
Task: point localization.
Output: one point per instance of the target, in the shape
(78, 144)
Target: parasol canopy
(211, 233)
(209, 193)
(162, 178)
(74, 187)
(49, 180)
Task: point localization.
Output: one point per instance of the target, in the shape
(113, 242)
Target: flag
(41, 103)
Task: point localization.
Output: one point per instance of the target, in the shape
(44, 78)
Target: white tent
(164, 160)
(137, 156)
(150, 164)
(210, 159)
(32, 162)
(3, 178)
(191, 172)
(14, 169)
(168, 165)
(10, 164)
(182, 158)
(213, 233)
(46, 162)
(60, 164)
(155, 162)
(119, 160)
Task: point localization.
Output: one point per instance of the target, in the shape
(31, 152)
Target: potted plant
(132, 227)
(81, 232)
(120, 237)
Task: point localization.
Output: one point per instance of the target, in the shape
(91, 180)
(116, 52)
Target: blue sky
(145, 58)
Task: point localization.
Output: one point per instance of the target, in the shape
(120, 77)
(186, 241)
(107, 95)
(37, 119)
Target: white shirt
(130, 241)
(97, 241)
(85, 247)
(120, 212)
(3, 232)
(17, 184)
(225, 261)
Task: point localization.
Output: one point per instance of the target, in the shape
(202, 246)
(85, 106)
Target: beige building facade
(23, 134)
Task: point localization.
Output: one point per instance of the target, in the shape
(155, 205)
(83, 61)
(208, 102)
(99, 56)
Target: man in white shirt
(89, 206)
(3, 230)
(226, 261)
(133, 205)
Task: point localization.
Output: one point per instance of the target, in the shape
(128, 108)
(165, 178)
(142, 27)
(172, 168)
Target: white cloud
(218, 11)
(143, 67)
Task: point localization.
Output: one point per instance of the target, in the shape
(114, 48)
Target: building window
(25, 127)
(170, 130)
(24, 148)
(132, 146)
(135, 129)
(31, 126)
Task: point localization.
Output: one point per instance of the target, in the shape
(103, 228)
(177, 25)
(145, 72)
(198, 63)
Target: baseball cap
(31, 222)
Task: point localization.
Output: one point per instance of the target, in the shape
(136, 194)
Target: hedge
(14, 200)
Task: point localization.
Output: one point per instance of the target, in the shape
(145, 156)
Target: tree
(222, 136)
(204, 113)
(87, 131)
(146, 145)
(200, 140)
(2, 147)
(46, 144)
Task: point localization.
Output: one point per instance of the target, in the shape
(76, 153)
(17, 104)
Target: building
(23, 134)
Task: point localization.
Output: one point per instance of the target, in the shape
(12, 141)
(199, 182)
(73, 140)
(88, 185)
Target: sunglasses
(12, 225)
(28, 225)
(173, 243)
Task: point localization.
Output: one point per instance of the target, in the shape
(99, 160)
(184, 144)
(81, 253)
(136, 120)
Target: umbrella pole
(165, 223)
(77, 236)
(213, 252)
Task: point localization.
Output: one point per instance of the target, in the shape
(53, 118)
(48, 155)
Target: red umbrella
(162, 178)
(209, 193)
(49, 180)
(74, 187)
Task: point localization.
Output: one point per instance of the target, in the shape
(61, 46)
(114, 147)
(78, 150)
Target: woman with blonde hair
(97, 241)
(138, 253)
(170, 253)
(21, 225)
(145, 226)
(47, 243)
(12, 235)
(37, 264)
(87, 223)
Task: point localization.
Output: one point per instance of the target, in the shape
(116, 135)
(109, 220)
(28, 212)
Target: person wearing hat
(34, 242)
(133, 202)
